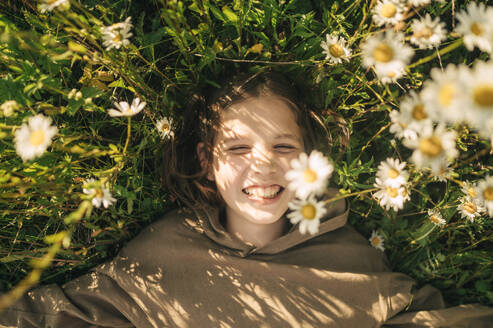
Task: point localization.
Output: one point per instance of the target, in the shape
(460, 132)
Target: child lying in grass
(231, 257)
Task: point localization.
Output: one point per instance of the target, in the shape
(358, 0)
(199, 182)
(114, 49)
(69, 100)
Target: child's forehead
(239, 131)
(265, 117)
(259, 110)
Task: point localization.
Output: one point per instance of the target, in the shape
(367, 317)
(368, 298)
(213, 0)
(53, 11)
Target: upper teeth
(268, 192)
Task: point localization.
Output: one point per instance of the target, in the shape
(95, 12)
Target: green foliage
(177, 49)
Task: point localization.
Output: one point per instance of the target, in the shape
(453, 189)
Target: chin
(260, 217)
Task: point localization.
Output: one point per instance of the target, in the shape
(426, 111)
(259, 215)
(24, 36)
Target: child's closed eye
(279, 148)
(285, 148)
(240, 149)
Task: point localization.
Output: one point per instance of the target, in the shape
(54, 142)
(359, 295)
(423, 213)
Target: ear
(202, 154)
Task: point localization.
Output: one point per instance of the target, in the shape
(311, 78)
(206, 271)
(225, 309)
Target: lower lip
(265, 201)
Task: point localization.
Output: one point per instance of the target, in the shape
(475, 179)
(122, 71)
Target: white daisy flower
(436, 217)
(400, 125)
(434, 148)
(9, 107)
(100, 195)
(391, 197)
(392, 173)
(390, 73)
(388, 12)
(309, 174)
(376, 240)
(427, 33)
(308, 213)
(164, 127)
(32, 139)
(418, 3)
(443, 173)
(478, 91)
(471, 208)
(124, 109)
(444, 94)
(117, 35)
(410, 118)
(469, 189)
(49, 5)
(487, 130)
(335, 49)
(387, 53)
(485, 193)
(475, 24)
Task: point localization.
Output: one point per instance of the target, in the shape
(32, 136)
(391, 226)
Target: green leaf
(230, 15)
(217, 13)
(482, 286)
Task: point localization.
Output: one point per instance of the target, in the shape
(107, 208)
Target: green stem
(445, 50)
(333, 199)
(267, 62)
(128, 135)
(383, 128)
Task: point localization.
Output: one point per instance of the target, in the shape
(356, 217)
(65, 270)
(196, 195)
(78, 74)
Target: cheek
(285, 162)
(226, 171)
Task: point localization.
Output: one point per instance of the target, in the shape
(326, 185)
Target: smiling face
(255, 142)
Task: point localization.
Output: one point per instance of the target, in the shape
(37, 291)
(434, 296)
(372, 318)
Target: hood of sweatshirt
(210, 223)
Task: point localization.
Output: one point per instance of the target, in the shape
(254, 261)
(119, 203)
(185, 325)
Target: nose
(263, 161)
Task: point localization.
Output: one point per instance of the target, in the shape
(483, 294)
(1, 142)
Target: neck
(256, 234)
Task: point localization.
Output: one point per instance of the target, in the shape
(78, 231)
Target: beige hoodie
(185, 270)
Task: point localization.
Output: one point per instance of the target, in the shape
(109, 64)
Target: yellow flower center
(392, 192)
(470, 208)
(471, 192)
(446, 94)
(117, 38)
(483, 95)
(403, 125)
(431, 146)
(476, 29)
(165, 127)
(488, 193)
(404, 192)
(37, 137)
(336, 50)
(388, 10)
(393, 173)
(442, 170)
(308, 211)
(391, 74)
(434, 219)
(424, 33)
(99, 193)
(383, 53)
(375, 241)
(419, 112)
(310, 176)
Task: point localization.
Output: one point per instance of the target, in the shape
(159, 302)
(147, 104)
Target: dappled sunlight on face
(256, 141)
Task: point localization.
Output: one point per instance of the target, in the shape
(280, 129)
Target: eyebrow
(287, 136)
(281, 136)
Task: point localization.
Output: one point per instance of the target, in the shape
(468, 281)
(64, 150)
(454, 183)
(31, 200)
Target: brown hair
(182, 174)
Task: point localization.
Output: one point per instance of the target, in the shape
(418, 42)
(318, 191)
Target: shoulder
(153, 249)
(176, 219)
(172, 226)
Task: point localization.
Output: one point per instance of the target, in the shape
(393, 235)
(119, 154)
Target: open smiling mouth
(270, 192)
